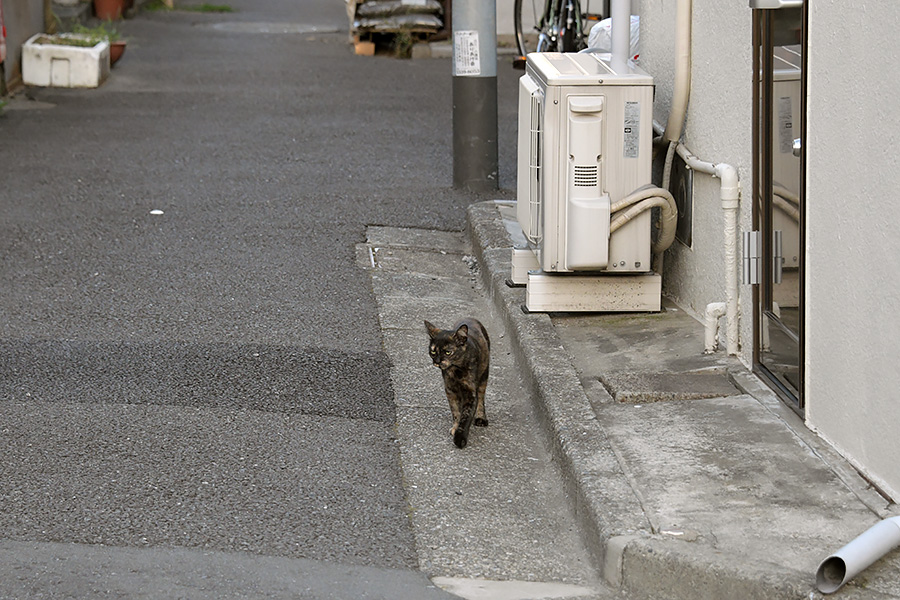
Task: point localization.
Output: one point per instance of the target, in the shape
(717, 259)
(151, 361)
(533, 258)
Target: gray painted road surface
(195, 397)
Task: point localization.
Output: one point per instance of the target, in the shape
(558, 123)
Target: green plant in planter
(64, 40)
(87, 37)
(105, 31)
(84, 37)
(204, 8)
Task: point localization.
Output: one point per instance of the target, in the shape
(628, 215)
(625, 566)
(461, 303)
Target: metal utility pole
(474, 24)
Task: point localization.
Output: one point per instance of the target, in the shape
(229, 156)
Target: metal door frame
(763, 108)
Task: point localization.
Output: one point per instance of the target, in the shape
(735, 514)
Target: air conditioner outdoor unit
(585, 144)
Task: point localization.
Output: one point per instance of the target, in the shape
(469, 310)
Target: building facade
(813, 142)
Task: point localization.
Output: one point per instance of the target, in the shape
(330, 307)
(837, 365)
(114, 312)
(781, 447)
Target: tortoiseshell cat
(463, 355)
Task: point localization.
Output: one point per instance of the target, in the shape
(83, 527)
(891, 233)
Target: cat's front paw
(460, 439)
(481, 421)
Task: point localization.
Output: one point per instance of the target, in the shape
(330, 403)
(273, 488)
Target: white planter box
(56, 65)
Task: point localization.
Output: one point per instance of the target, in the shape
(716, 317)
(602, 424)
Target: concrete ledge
(643, 559)
(605, 503)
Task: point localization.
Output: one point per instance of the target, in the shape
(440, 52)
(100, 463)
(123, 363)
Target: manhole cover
(638, 388)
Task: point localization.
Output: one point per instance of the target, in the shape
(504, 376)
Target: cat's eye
(433, 351)
(448, 352)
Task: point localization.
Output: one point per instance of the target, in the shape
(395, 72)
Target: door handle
(797, 146)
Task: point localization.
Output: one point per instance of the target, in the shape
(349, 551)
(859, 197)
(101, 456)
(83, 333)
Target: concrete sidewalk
(691, 479)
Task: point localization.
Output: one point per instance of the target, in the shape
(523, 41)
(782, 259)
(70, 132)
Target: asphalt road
(191, 364)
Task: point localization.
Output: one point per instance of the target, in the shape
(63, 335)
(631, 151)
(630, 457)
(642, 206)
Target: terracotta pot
(109, 10)
(116, 50)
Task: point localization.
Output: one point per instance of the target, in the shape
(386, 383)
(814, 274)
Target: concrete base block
(566, 292)
(523, 261)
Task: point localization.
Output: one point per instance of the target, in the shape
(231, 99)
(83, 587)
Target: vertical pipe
(682, 90)
(621, 35)
(475, 155)
(729, 194)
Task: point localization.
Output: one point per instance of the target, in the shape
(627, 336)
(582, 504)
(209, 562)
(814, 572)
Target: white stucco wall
(853, 246)
(718, 129)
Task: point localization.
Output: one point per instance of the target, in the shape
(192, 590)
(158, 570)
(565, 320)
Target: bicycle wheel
(530, 18)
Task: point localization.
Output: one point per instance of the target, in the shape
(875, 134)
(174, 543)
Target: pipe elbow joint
(729, 176)
(730, 190)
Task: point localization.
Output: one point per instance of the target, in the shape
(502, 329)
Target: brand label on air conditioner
(632, 129)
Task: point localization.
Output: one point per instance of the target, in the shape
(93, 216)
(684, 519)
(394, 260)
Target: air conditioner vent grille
(585, 176)
(535, 197)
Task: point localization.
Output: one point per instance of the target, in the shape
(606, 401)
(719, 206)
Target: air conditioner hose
(787, 201)
(644, 199)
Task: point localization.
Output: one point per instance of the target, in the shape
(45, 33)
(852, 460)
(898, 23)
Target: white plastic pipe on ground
(849, 561)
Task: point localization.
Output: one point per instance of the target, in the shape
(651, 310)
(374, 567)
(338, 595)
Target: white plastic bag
(600, 37)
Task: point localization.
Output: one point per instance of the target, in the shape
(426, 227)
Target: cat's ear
(462, 334)
(432, 330)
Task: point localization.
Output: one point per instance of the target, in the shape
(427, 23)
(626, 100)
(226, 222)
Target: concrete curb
(630, 553)
(606, 506)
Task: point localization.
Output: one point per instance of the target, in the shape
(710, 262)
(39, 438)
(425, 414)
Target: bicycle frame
(559, 28)
(549, 24)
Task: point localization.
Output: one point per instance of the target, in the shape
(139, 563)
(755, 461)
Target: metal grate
(585, 176)
(535, 230)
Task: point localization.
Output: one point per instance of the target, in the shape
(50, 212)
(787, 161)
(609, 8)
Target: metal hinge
(752, 257)
(777, 256)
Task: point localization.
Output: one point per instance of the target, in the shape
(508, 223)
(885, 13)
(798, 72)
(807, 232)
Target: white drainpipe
(729, 195)
(849, 561)
(729, 192)
(620, 12)
(714, 311)
(682, 90)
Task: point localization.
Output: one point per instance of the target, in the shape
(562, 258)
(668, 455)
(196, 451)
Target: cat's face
(447, 348)
(446, 352)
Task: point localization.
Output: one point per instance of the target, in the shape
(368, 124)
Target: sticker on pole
(467, 59)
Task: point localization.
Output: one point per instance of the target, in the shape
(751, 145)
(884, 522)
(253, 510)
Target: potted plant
(110, 10)
(105, 31)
